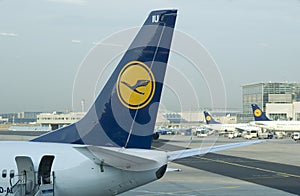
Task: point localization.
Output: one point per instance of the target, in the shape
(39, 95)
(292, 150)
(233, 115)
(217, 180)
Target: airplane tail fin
(209, 119)
(125, 111)
(258, 114)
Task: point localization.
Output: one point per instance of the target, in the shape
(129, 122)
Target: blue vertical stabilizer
(124, 113)
(258, 114)
(209, 119)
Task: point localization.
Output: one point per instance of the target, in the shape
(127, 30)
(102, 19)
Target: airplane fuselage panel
(74, 174)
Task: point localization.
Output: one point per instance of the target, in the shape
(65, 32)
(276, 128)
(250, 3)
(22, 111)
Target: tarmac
(269, 168)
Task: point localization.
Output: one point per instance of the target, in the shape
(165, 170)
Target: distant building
(264, 93)
(174, 118)
(21, 117)
(3, 120)
(10, 117)
(57, 120)
(283, 111)
(28, 115)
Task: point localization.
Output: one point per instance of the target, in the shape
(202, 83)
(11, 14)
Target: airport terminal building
(57, 120)
(278, 99)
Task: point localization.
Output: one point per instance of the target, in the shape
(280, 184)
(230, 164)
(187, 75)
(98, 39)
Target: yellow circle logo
(208, 118)
(135, 85)
(257, 113)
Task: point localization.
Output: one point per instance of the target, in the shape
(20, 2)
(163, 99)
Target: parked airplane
(214, 125)
(108, 151)
(261, 120)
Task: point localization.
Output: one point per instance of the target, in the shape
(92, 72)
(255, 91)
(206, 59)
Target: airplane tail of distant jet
(209, 119)
(258, 114)
(125, 111)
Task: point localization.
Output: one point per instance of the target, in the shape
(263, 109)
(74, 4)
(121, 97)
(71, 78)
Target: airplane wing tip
(174, 155)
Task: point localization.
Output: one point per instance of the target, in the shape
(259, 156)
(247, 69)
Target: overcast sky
(43, 42)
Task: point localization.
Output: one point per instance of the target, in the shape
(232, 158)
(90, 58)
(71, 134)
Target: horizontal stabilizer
(121, 158)
(200, 151)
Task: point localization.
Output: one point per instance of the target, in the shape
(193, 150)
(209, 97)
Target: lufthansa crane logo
(135, 85)
(257, 113)
(208, 118)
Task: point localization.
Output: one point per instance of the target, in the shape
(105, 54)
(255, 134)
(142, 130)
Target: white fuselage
(232, 127)
(75, 174)
(278, 125)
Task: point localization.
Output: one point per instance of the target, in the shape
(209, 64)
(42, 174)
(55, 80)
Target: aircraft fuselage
(74, 173)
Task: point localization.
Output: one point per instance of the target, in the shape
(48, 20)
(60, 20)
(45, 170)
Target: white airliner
(214, 125)
(261, 120)
(108, 151)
